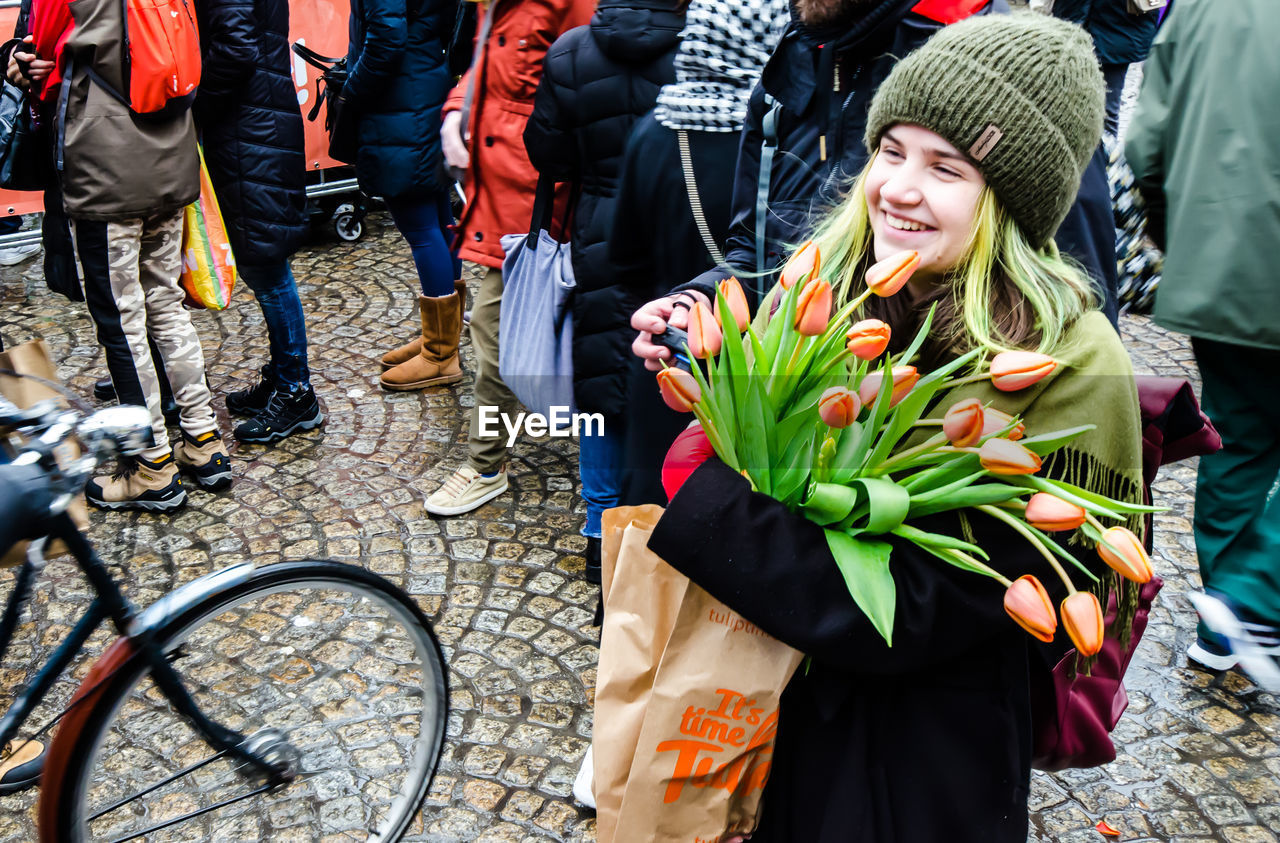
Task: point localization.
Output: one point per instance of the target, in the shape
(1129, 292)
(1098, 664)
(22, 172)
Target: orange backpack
(161, 57)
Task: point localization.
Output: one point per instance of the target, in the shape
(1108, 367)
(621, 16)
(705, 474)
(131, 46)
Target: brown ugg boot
(437, 362)
(413, 347)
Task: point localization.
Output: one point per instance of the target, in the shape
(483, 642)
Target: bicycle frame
(138, 628)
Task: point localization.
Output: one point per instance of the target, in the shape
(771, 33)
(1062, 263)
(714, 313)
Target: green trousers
(1237, 520)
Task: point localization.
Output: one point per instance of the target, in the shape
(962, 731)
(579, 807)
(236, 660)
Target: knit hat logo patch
(986, 142)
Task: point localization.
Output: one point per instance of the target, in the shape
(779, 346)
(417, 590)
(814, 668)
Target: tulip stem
(856, 303)
(1094, 522)
(980, 566)
(927, 423)
(974, 378)
(927, 445)
(1035, 540)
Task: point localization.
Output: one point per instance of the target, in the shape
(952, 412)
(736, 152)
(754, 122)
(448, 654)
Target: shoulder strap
(767, 148)
(695, 203)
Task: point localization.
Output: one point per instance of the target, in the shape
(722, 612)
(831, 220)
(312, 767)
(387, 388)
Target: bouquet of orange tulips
(811, 410)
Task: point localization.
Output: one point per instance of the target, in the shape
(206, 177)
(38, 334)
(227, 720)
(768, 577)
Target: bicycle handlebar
(26, 500)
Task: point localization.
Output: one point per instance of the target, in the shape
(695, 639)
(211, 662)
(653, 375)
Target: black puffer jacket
(399, 82)
(802, 185)
(1118, 37)
(597, 81)
(251, 126)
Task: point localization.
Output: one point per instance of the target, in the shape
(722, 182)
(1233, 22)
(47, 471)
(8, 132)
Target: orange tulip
(705, 337)
(904, 379)
(838, 407)
(1052, 514)
(813, 311)
(1082, 619)
(963, 422)
(867, 339)
(732, 292)
(995, 421)
(805, 262)
(679, 389)
(1121, 549)
(1000, 456)
(887, 276)
(1014, 370)
(1028, 603)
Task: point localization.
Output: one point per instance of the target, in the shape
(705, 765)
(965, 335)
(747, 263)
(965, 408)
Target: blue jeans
(277, 294)
(424, 223)
(600, 467)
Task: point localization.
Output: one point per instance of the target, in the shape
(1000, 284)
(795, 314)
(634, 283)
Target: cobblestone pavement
(1199, 754)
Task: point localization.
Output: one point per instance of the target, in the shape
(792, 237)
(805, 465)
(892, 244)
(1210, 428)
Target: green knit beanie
(1021, 94)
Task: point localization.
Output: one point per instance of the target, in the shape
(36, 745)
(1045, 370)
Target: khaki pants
(488, 455)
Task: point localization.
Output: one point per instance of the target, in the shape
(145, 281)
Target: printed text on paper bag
(735, 725)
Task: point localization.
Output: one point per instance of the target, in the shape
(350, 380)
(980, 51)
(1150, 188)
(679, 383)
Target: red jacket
(500, 181)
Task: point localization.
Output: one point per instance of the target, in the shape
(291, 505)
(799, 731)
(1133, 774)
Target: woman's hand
(653, 318)
(452, 142)
(38, 69)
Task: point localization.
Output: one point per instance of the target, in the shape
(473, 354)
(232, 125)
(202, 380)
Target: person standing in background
(1120, 38)
(716, 69)
(397, 83)
(482, 136)
(597, 80)
(251, 129)
(1202, 144)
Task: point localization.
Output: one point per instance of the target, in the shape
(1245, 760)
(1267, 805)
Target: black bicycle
(293, 701)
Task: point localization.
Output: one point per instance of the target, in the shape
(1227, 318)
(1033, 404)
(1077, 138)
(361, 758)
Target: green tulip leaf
(864, 564)
(1047, 443)
(979, 495)
(888, 502)
(828, 503)
(925, 538)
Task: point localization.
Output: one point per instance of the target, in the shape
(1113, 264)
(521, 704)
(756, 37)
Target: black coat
(251, 126)
(802, 186)
(925, 741)
(597, 81)
(1118, 37)
(398, 82)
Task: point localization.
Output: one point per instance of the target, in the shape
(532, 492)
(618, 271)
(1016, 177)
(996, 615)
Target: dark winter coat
(1118, 37)
(597, 81)
(398, 83)
(925, 741)
(802, 186)
(251, 127)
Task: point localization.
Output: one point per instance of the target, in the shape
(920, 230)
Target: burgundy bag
(1072, 715)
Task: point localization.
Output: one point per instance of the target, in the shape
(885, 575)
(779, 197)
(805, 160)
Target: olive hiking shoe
(151, 485)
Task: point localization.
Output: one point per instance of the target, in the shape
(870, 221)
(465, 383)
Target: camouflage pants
(130, 270)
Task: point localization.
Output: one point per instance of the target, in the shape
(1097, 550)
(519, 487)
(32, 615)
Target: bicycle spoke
(159, 826)
(158, 785)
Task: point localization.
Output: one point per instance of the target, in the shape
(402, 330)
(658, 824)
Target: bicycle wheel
(329, 668)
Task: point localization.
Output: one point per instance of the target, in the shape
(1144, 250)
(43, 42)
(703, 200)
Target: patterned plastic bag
(208, 267)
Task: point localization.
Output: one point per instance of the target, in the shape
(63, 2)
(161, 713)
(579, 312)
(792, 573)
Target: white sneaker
(1256, 646)
(464, 491)
(17, 254)
(584, 783)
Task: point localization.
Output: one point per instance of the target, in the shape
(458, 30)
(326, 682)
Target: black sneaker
(1255, 645)
(286, 413)
(104, 390)
(252, 401)
(593, 572)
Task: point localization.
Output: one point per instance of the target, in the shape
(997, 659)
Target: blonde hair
(1001, 295)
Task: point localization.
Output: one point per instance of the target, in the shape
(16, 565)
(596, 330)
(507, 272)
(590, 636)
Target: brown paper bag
(641, 597)
(32, 358)
(706, 746)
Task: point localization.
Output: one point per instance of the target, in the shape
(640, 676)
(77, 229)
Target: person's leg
(274, 287)
(1114, 75)
(419, 221)
(110, 262)
(1237, 524)
(600, 454)
(444, 216)
(482, 479)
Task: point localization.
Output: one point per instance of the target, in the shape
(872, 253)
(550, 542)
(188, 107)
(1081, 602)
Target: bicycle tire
(75, 776)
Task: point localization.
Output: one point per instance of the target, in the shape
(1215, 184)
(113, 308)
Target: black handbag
(340, 119)
(22, 152)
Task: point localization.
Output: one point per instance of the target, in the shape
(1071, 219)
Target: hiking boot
(205, 459)
(105, 390)
(287, 412)
(1256, 646)
(151, 485)
(21, 764)
(437, 363)
(252, 401)
(413, 347)
(464, 491)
